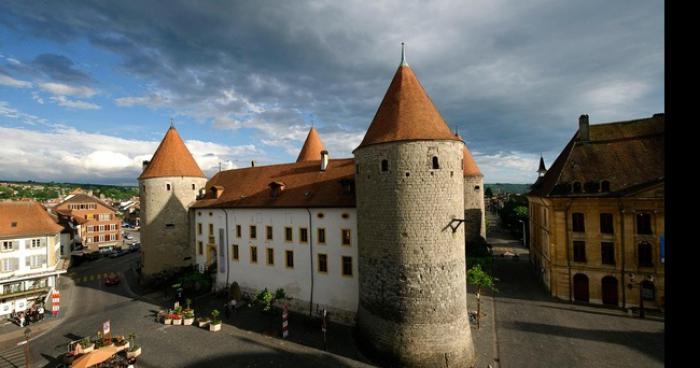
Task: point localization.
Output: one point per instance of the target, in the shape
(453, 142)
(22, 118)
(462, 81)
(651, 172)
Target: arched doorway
(580, 287)
(609, 289)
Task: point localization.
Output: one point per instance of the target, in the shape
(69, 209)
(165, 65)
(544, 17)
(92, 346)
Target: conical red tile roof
(406, 113)
(470, 166)
(311, 151)
(172, 158)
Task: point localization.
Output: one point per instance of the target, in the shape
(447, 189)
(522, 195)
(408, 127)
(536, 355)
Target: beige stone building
(597, 216)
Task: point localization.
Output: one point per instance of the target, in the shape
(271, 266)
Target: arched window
(385, 165)
(605, 186)
(644, 254)
(581, 287)
(436, 163)
(193, 187)
(167, 186)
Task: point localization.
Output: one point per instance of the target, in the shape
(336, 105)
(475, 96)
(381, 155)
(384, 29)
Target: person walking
(41, 312)
(21, 319)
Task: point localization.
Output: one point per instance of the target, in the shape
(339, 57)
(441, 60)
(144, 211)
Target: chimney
(252, 163)
(324, 160)
(583, 128)
(145, 163)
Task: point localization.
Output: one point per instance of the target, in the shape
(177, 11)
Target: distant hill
(508, 188)
(44, 191)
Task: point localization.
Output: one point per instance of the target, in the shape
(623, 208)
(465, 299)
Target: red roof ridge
(172, 158)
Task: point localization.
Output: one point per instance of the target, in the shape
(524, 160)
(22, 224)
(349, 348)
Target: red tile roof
(628, 154)
(312, 147)
(406, 113)
(305, 185)
(29, 217)
(470, 167)
(172, 158)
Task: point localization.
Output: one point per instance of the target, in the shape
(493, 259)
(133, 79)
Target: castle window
(644, 224)
(268, 232)
(193, 187)
(476, 188)
(577, 187)
(289, 256)
(199, 229)
(345, 215)
(385, 165)
(270, 257)
(578, 223)
(408, 174)
(200, 248)
(607, 252)
(606, 223)
(211, 229)
(320, 215)
(605, 186)
(169, 226)
(303, 235)
(347, 266)
(253, 254)
(436, 163)
(345, 237)
(321, 236)
(322, 263)
(644, 254)
(167, 186)
(238, 231)
(234, 252)
(253, 232)
(288, 234)
(579, 251)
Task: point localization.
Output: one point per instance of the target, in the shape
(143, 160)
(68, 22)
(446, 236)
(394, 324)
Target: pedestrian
(41, 312)
(21, 319)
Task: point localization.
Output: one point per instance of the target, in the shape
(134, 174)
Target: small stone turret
(412, 270)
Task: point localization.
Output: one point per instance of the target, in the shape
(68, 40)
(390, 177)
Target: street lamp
(641, 292)
(27, 335)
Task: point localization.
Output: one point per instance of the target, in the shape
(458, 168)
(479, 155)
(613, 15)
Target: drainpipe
(311, 262)
(622, 242)
(568, 255)
(228, 266)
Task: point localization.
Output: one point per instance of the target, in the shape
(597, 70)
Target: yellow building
(597, 216)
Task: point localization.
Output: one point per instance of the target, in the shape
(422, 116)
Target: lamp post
(641, 291)
(27, 335)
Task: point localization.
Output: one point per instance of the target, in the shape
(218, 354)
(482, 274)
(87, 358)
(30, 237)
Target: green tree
(482, 280)
(488, 193)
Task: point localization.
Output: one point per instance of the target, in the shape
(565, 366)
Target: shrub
(215, 316)
(279, 294)
(265, 298)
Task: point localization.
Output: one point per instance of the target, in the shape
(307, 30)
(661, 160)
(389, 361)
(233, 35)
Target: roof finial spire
(403, 54)
(172, 124)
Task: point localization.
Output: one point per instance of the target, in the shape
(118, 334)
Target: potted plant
(176, 318)
(168, 318)
(188, 317)
(188, 304)
(215, 324)
(87, 345)
(120, 342)
(133, 350)
(203, 321)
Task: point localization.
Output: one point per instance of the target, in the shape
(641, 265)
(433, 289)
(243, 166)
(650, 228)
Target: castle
(376, 239)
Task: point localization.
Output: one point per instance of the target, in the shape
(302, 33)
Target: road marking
(12, 358)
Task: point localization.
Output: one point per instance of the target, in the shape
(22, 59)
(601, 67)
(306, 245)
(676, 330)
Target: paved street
(535, 330)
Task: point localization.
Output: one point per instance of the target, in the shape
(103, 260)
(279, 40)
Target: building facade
(95, 223)
(597, 216)
(30, 245)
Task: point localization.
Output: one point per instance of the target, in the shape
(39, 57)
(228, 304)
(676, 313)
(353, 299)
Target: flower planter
(123, 346)
(188, 321)
(215, 327)
(203, 324)
(177, 321)
(167, 321)
(133, 354)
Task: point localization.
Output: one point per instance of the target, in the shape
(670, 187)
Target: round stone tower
(167, 187)
(412, 270)
(474, 209)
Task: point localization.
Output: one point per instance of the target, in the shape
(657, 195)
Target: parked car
(125, 225)
(128, 237)
(112, 280)
(135, 247)
(118, 253)
(106, 251)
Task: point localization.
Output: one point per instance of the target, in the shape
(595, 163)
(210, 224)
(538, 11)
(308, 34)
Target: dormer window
(577, 187)
(276, 187)
(348, 186)
(215, 191)
(14, 224)
(436, 163)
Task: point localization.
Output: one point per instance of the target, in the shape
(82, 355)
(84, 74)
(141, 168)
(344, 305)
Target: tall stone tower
(474, 208)
(168, 186)
(409, 187)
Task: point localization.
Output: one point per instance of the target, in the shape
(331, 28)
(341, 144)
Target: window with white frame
(37, 243)
(102, 228)
(9, 264)
(35, 261)
(8, 246)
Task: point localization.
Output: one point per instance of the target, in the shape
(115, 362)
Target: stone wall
(413, 303)
(474, 210)
(165, 224)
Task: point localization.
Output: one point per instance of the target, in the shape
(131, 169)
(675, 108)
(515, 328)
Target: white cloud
(61, 89)
(36, 97)
(6, 80)
(9, 112)
(74, 104)
(508, 167)
(71, 155)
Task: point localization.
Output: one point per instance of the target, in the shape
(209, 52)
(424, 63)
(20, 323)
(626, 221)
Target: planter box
(215, 327)
(203, 323)
(133, 354)
(168, 321)
(177, 321)
(188, 321)
(89, 348)
(122, 347)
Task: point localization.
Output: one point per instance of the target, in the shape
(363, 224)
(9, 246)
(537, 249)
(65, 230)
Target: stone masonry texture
(413, 296)
(166, 246)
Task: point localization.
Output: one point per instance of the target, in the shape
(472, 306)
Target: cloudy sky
(87, 89)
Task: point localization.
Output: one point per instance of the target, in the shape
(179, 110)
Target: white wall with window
(335, 289)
